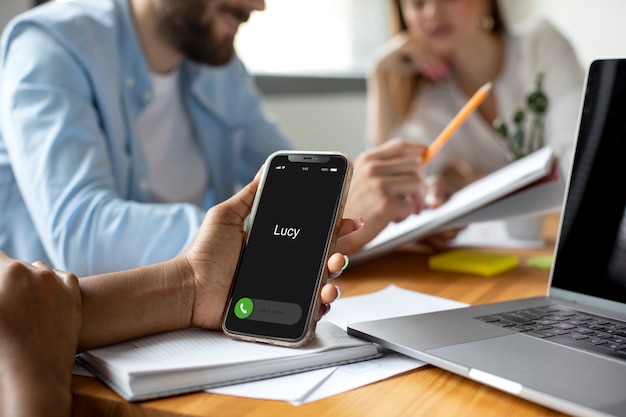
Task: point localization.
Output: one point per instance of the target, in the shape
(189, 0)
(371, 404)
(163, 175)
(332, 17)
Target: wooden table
(425, 391)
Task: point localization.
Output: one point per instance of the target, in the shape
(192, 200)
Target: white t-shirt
(178, 173)
(538, 47)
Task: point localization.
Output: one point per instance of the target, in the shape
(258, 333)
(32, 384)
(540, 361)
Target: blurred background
(310, 58)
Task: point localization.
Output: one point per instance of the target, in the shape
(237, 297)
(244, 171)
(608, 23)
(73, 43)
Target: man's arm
(79, 172)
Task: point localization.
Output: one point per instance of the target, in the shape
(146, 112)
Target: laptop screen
(591, 251)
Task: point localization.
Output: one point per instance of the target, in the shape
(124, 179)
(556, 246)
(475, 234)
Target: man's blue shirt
(74, 188)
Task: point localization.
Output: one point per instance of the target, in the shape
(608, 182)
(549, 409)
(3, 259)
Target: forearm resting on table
(135, 303)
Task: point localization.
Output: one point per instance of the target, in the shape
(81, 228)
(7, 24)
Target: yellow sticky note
(479, 263)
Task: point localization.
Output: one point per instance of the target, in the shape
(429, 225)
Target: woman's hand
(212, 257)
(404, 54)
(387, 186)
(440, 188)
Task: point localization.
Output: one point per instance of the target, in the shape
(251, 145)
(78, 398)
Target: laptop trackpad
(545, 367)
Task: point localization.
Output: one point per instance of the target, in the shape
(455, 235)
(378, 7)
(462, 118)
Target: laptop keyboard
(567, 327)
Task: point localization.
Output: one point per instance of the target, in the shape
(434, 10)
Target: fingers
(329, 293)
(394, 171)
(68, 279)
(324, 309)
(433, 67)
(387, 186)
(242, 201)
(453, 177)
(407, 54)
(397, 165)
(401, 166)
(396, 148)
(348, 226)
(441, 241)
(234, 210)
(425, 60)
(406, 203)
(438, 191)
(337, 263)
(41, 265)
(404, 194)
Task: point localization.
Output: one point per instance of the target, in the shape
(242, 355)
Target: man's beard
(179, 24)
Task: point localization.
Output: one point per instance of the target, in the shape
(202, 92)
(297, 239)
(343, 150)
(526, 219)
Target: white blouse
(538, 47)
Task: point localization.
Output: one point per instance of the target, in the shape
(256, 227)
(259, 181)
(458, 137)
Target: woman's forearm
(129, 304)
(381, 109)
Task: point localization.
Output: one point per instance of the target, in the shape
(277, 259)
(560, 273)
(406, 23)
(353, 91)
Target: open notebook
(530, 185)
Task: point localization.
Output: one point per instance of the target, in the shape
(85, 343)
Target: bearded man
(123, 121)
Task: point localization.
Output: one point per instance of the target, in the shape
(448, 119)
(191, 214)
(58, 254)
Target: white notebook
(530, 185)
(196, 359)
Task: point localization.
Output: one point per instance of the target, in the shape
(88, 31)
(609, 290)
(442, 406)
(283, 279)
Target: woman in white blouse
(445, 50)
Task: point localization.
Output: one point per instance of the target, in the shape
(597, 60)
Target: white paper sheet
(494, 234)
(311, 386)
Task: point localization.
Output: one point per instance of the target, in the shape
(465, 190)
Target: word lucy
(291, 232)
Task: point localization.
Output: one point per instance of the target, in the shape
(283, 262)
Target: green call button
(244, 307)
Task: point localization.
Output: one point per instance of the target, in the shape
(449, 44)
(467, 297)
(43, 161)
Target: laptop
(567, 350)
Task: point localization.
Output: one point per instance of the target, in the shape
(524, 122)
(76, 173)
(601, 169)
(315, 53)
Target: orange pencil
(471, 105)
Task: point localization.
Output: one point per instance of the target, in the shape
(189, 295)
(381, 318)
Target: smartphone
(291, 231)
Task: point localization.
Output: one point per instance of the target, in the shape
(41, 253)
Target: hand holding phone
(275, 295)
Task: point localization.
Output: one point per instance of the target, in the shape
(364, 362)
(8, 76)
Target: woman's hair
(405, 87)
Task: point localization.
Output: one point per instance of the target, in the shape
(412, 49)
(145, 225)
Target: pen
(471, 105)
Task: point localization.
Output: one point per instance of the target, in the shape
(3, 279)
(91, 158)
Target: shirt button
(146, 95)
(143, 185)
(130, 82)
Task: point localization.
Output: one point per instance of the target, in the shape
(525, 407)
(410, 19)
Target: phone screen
(284, 259)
